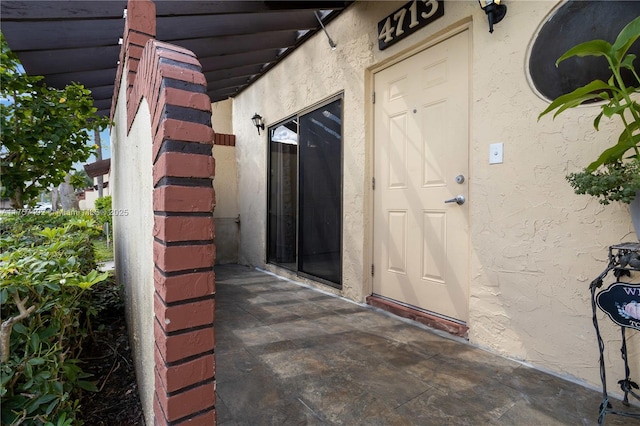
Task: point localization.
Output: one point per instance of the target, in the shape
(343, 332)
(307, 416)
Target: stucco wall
(221, 116)
(89, 202)
(132, 175)
(226, 213)
(535, 246)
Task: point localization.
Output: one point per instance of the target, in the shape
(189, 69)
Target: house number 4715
(409, 18)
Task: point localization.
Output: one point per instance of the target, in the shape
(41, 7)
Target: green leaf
(5, 377)
(52, 286)
(44, 399)
(626, 38)
(627, 62)
(44, 375)
(51, 407)
(615, 152)
(596, 121)
(589, 48)
(88, 386)
(20, 328)
(580, 95)
(63, 421)
(36, 361)
(609, 111)
(34, 340)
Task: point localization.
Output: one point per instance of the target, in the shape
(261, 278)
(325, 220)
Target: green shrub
(103, 212)
(45, 275)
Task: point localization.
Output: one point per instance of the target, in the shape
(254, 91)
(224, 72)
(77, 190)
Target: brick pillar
(139, 27)
(169, 78)
(184, 254)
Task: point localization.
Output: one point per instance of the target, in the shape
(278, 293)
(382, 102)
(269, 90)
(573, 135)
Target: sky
(106, 150)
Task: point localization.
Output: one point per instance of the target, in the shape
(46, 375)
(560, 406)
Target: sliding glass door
(305, 193)
(283, 194)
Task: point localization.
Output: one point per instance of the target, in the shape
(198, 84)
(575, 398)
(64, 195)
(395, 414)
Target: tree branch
(7, 326)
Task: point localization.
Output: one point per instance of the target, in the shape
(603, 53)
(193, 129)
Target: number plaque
(407, 20)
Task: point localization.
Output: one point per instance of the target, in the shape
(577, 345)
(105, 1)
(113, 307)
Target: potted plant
(615, 174)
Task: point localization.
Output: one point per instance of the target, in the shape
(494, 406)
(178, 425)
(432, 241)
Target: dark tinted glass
(283, 189)
(320, 213)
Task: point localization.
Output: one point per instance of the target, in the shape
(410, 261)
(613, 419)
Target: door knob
(459, 200)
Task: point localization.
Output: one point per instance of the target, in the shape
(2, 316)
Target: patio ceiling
(236, 41)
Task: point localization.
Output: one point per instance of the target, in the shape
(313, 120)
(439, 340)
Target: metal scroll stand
(623, 258)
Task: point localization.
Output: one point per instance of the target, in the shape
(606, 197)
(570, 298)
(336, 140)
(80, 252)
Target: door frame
(438, 37)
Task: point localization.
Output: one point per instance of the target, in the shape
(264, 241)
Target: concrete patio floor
(290, 355)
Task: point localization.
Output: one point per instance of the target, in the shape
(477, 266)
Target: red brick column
(169, 78)
(140, 26)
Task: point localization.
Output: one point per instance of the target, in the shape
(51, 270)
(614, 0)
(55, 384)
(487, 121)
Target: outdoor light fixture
(494, 10)
(257, 121)
(331, 42)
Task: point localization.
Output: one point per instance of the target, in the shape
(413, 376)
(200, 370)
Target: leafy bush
(103, 212)
(45, 272)
(617, 182)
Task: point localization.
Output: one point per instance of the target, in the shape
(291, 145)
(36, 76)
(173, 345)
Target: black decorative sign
(621, 301)
(407, 20)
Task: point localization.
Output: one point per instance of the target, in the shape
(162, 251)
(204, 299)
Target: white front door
(421, 243)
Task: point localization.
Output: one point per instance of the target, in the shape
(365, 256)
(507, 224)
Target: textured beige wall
(132, 189)
(535, 246)
(225, 183)
(226, 214)
(89, 202)
(221, 116)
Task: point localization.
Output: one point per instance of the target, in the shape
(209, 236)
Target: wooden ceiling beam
(227, 83)
(214, 63)
(242, 71)
(48, 10)
(235, 41)
(310, 5)
(225, 45)
(102, 92)
(102, 103)
(218, 95)
(90, 79)
(183, 27)
(52, 35)
(69, 60)
(174, 8)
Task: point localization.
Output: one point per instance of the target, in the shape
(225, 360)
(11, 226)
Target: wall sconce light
(257, 121)
(494, 10)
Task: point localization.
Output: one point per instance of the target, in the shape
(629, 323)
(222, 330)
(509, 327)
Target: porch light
(494, 10)
(257, 121)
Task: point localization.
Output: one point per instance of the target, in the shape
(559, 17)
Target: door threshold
(429, 319)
